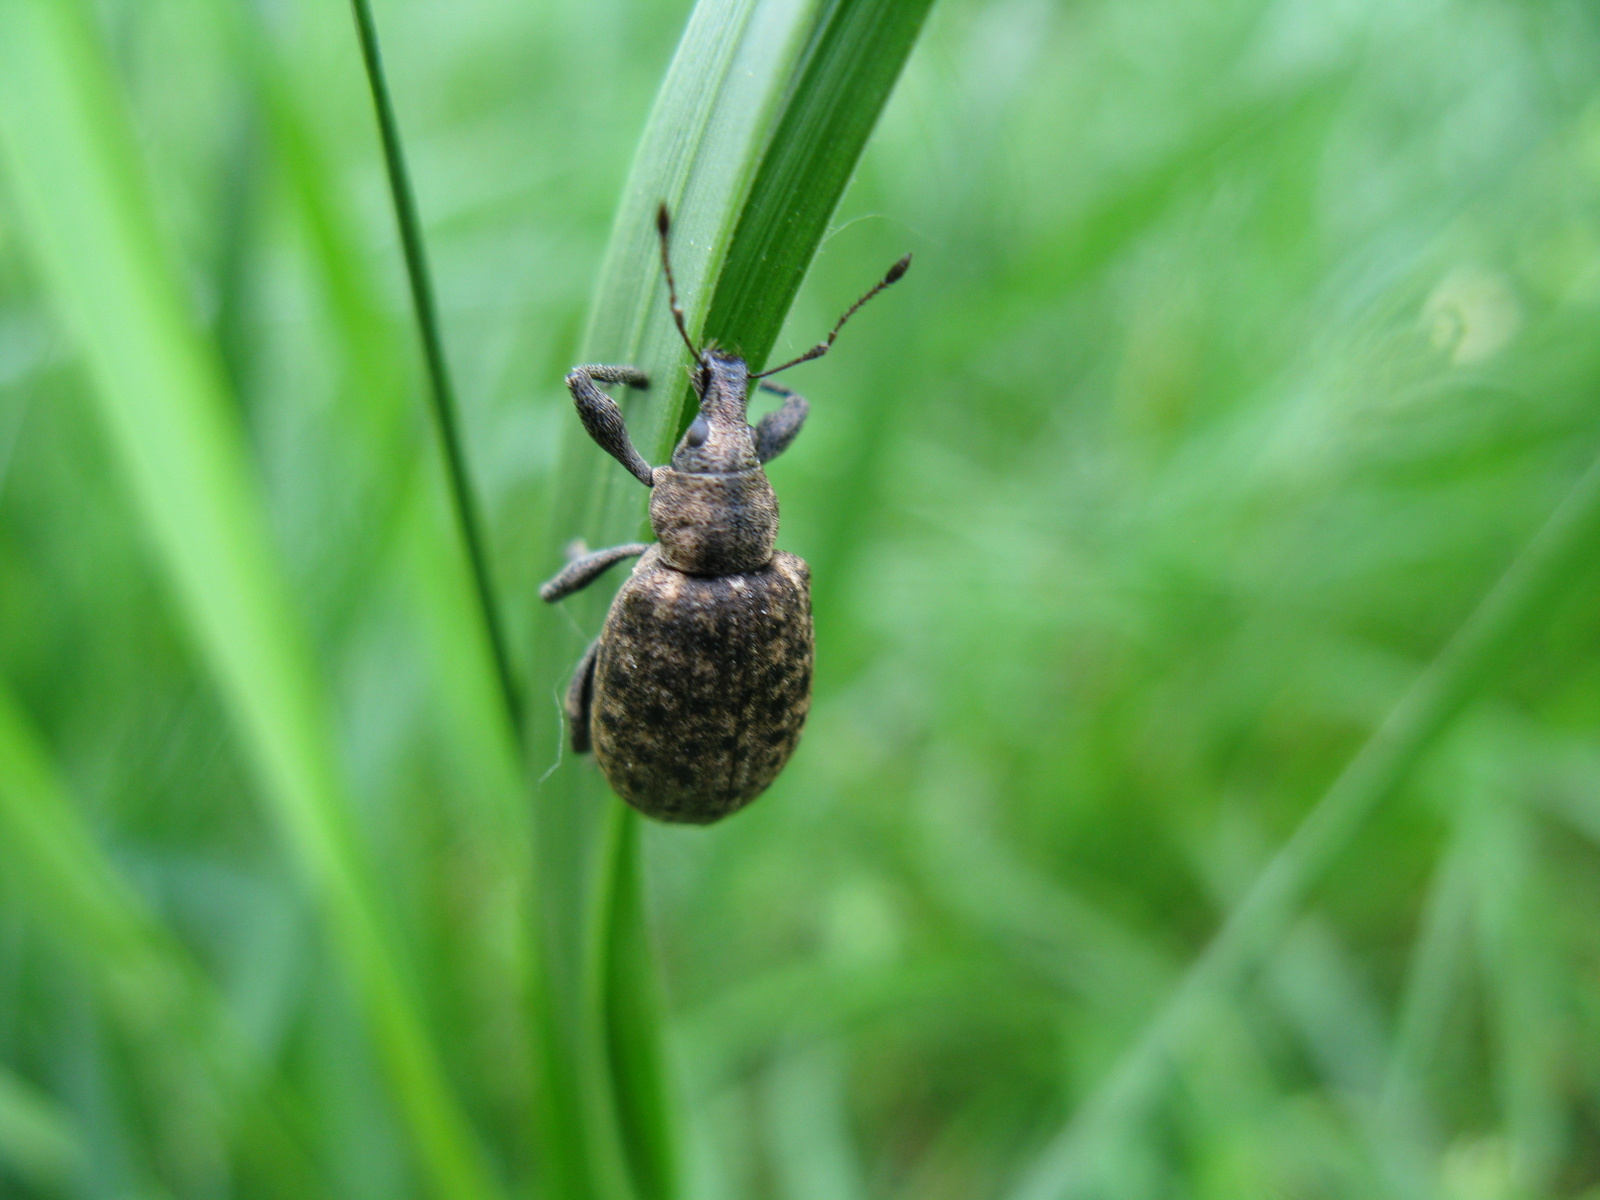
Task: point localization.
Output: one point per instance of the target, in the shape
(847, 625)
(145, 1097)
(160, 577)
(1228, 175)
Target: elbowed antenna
(892, 275)
(663, 227)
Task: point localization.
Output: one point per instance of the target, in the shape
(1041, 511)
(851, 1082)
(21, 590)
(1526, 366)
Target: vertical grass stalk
(761, 119)
(441, 391)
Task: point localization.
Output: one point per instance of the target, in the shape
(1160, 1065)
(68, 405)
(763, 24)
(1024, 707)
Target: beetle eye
(697, 432)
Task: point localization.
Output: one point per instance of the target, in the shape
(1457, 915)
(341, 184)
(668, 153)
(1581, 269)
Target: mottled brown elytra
(694, 694)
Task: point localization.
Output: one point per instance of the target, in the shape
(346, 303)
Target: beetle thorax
(713, 509)
(714, 524)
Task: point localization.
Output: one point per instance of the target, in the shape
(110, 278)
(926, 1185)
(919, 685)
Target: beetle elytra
(694, 694)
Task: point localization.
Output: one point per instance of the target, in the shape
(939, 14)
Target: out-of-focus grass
(37, 1142)
(1247, 344)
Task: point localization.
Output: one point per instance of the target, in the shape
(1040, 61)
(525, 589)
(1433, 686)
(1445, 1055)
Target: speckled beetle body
(701, 685)
(694, 694)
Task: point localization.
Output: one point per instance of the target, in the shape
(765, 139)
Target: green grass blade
(1337, 1019)
(1435, 979)
(404, 486)
(1532, 1043)
(49, 846)
(1383, 763)
(812, 1153)
(851, 60)
(74, 171)
(760, 121)
(441, 391)
(38, 1143)
(155, 993)
(625, 972)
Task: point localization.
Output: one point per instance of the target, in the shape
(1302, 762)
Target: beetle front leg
(778, 428)
(581, 572)
(603, 419)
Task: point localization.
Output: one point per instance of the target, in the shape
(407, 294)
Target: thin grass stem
(441, 391)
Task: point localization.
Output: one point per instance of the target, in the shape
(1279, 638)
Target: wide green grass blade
(73, 169)
(624, 973)
(759, 123)
(1260, 920)
(848, 66)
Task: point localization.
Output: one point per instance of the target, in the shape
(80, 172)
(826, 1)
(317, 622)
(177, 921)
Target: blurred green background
(1247, 343)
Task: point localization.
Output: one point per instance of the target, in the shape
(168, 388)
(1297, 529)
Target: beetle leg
(580, 695)
(603, 419)
(778, 428)
(631, 376)
(581, 572)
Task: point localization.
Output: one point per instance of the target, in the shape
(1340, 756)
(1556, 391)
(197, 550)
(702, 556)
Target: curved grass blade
(74, 171)
(760, 121)
(1258, 923)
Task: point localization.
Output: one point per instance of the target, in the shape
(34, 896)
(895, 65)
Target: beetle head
(718, 440)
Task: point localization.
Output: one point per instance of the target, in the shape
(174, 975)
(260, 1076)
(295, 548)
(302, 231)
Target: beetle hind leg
(580, 698)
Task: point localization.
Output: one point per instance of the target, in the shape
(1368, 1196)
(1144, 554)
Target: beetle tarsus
(631, 376)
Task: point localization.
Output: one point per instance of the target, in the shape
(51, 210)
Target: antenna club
(895, 272)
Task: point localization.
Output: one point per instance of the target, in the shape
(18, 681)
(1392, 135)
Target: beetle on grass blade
(694, 694)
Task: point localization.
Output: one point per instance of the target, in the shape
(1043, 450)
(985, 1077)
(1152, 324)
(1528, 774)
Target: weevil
(694, 694)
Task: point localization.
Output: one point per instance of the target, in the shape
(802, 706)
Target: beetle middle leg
(603, 419)
(778, 428)
(581, 572)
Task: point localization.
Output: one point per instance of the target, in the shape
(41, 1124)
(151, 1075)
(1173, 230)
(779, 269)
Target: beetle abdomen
(701, 686)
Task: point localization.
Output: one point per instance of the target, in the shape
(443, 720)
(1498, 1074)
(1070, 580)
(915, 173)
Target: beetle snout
(715, 443)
